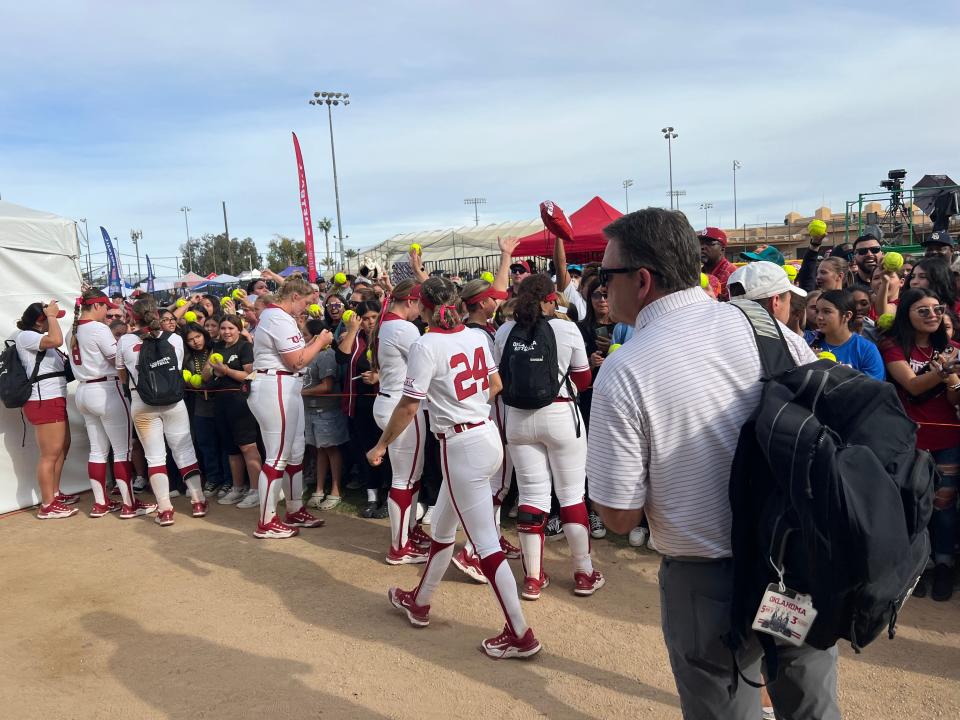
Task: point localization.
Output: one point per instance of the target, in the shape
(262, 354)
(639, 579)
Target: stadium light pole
(626, 193)
(706, 207)
(669, 135)
(136, 235)
(736, 166)
(330, 99)
(476, 202)
(185, 210)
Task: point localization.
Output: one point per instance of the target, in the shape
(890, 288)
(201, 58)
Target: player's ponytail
(439, 296)
(532, 291)
(146, 315)
(401, 292)
(82, 302)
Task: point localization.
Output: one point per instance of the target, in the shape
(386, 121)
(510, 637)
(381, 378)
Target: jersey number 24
(471, 379)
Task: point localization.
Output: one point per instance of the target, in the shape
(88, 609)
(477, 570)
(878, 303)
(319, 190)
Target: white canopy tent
(448, 243)
(39, 261)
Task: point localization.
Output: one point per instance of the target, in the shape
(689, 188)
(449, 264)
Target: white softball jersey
(94, 355)
(394, 340)
(277, 333)
(128, 353)
(571, 352)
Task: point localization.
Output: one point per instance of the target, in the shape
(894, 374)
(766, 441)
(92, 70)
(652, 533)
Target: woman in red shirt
(921, 360)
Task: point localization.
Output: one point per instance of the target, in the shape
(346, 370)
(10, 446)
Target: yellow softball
(488, 276)
(190, 316)
(827, 355)
(340, 279)
(704, 281)
(614, 348)
(415, 247)
(347, 314)
(817, 228)
(181, 302)
(187, 375)
(196, 380)
(885, 321)
(239, 294)
(224, 300)
(791, 271)
(369, 355)
(216, 358)
(892, 261)
(315, 310)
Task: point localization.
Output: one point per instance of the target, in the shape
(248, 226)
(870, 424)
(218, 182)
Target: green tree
(283, 252)
(211, 253)
(326, 224)
(350, 255)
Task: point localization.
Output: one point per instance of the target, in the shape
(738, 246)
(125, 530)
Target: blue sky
(124, 112)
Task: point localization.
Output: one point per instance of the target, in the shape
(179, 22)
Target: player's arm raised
(502, 278)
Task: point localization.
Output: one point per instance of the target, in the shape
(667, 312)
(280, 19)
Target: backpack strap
(775, 356)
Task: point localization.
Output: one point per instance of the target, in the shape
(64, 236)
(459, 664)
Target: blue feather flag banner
(114, 278)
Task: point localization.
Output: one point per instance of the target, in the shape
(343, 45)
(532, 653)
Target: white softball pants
(158, 426)
(106, 414)
(406, 463)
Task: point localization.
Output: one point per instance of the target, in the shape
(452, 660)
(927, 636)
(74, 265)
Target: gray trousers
(695, 602)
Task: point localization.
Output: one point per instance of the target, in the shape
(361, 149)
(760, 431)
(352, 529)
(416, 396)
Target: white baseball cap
(763, 279)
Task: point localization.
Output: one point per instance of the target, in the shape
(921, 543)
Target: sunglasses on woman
(926, 311)
(599, 295)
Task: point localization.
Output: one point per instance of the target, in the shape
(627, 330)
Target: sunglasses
(871, 250)
(927, 311)
(598, 295)
(334, 306)
(606, 274)
(519, 271)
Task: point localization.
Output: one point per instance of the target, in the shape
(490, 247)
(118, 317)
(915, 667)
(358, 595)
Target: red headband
(488, 293)
(99, 300)
(550, 298)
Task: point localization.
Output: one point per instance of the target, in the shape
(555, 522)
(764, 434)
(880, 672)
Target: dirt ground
(109, 618)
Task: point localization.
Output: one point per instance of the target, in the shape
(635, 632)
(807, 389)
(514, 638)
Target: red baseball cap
(523, 264)
(713, 233)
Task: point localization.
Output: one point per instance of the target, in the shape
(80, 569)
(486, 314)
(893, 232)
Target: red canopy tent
(588, 223)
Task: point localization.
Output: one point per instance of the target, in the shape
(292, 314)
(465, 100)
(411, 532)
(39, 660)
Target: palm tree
(349, 255)
(326, 224)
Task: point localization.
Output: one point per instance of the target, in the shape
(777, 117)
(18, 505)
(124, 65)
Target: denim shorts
(325, 428)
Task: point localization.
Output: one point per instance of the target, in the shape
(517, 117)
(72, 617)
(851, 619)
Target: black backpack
(160, 381)
(15, 385)
(827, 484)
(528, 367)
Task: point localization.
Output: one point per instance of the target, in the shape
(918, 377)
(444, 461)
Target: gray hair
(661, 241)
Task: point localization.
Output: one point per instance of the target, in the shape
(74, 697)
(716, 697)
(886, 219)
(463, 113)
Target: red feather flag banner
(555, 221)
(305, 212)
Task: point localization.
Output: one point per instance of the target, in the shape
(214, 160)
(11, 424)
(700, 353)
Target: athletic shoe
(421, 511)
(137, 509)
(224, 490)
(554, 529)
(56, 510)
(407, 555)
(510, 551)
(115, 491)
(508, 645)
(233, 496)
(942, 588)
(210, 488)
(301, 518)
(139, 484)
(418, 615)
(199, 508)
(597, 528)
(110, 506)
(638, 536)
(418, 538)
(275, 529)
(329, 502)
(66, 499)
(532, 586)
(470, 564)
(315, 501)
(585, 584)
(164, 518)
(251, 499)
(382, 512)
(427, 516)
(513, 512)
(369, 508)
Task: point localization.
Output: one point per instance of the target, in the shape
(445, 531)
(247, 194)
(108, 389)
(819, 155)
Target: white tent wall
(39, 261)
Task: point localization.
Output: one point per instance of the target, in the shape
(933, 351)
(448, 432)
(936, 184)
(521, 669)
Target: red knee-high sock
(269, 490)
(293, 486)
(123, 472)
(576, 529)
(398, 505)
(97, 471)
(531, 524)
(497, 572)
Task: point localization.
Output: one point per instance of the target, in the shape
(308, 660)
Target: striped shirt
(666, 415)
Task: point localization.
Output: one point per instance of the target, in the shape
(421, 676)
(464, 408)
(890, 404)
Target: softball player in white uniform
(452, 369)
(391, 347)
(551, 443)
(105, 410)
(160, 425)
(279, 355)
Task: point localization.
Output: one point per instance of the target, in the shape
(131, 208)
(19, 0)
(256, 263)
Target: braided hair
(439, 296)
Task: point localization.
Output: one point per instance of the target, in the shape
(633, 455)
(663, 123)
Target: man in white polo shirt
(667, 420)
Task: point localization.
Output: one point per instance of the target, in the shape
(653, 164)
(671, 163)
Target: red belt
(462, 427)
(562, 399)
(280, 372)
(101, 379)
